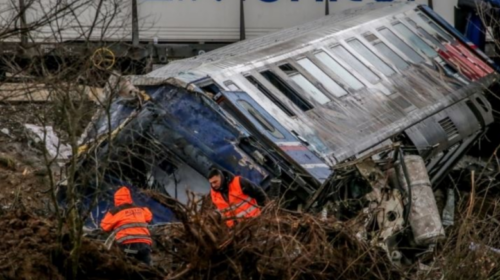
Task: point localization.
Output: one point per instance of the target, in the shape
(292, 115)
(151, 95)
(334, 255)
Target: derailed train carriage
(364, 111)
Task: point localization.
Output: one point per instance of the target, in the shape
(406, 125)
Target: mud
(32, 248)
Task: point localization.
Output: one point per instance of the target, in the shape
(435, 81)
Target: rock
(7, 162)
(5, 131)
(41, 172)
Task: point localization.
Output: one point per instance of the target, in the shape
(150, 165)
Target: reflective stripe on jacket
(127, 221)
(240, 205)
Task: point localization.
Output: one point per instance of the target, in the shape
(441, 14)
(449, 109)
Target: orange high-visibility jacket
(240, 205)
(127, 220)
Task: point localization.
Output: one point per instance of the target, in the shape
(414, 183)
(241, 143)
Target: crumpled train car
(388, 92)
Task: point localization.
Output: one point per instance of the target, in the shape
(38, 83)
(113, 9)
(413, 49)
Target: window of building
(269, 95)
(416, 41)
(400, 45)
(304, 84)
(387, 52)
(342, 53)
(328, 83)
(371, 57)
(288, 91)
(261, 119)
(340, 71)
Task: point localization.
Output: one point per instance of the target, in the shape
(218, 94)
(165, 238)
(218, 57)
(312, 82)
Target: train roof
(444, 71)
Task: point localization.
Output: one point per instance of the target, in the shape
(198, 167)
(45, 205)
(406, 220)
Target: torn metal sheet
(47, 136)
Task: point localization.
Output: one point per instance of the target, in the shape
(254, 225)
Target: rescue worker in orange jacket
(235, 197)
(129, 224)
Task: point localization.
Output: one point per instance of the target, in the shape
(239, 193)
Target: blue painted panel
(120, 111)
(198, 120)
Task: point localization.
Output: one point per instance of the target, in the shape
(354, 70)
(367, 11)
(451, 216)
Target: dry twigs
(277, 245)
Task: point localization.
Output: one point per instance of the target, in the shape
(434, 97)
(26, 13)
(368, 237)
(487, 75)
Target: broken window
(269, 95)
(424, 33)
(416, 41)
(371, 57)
(288, 91)
(261, 119)
(342, 53)
(304, 84)
(327, 82)
(442, 33)
(387, 52)
(340, 71)
(399, 44)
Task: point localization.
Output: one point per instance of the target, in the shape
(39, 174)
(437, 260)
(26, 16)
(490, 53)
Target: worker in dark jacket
(129, 225)
(235, 197)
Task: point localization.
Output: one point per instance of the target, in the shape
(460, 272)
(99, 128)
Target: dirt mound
(32, 249)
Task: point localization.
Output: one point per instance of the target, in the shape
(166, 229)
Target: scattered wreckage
(358, 113)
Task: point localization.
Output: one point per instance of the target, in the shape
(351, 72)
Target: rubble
(46, 135)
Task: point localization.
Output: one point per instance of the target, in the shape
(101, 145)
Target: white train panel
(185, 20)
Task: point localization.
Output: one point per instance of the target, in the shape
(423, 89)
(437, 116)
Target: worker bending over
(235, 197)
(129, 225)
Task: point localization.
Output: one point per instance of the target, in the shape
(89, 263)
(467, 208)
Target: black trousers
(140, 251)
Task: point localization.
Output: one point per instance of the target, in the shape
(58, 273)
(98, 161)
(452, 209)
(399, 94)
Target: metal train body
(335, 88)
(162, 31)
(293, 106)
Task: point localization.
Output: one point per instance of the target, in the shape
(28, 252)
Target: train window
(304, 84)
(340, 71)
(288, 69)
(289, 92)
(325, 80)
(370, 56)
(399, 44)
(436, 27)
(308, 87)
(345, 55)
(386, 51)
(424, 33)
(231, 86)
(414, 39)
(261, 119)
(269, 95)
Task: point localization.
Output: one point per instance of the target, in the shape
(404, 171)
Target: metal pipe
(431, 4)
(242, 21)
(135, 24)
(22, 17)
(327, 7)
(408, 182)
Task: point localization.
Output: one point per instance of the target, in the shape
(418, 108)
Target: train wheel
(103, 58)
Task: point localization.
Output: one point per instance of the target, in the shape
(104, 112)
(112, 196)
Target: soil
(32, 245)
(31, 248)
